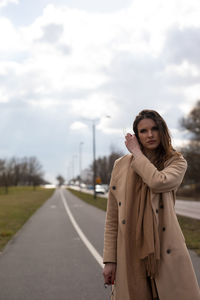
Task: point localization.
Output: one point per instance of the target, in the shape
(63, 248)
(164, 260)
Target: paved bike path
(46, 260)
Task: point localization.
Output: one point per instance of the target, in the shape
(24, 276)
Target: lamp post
(80, 161)
(94, 153)
(94, 157)
(94, 149)
(69, 172)
(73, 166)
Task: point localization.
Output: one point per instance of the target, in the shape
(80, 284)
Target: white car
(99, 189)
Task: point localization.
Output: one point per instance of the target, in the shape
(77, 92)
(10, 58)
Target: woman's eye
(155, 128)
(142, 130)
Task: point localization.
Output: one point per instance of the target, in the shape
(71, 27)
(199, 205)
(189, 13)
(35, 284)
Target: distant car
(106, 187)
(83, 185)
(100, 189)
(90, 187)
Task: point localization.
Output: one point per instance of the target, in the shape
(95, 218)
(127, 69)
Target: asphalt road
(188, 208)
(48, 260)
(185, 208)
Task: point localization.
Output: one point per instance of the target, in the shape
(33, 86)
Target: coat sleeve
(111, 228)
(160, 181)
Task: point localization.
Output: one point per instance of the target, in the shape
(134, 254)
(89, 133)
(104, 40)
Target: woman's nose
(150, 134)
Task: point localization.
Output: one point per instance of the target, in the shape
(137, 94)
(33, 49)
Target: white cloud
(90, 42)
(43, 103)
(73, 64)
(3, 96)
(191, 94)
(77, 125)
(9, 36)
(96, 106)
(4, 3)
(185, 69)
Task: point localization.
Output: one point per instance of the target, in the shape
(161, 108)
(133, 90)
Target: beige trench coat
(176, 280)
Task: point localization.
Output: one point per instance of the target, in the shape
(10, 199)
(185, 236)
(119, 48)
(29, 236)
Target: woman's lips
(151, 142)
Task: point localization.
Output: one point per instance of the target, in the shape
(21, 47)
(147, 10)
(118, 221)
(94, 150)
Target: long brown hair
(165, 149)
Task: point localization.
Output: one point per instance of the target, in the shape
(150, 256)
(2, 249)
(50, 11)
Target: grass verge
(191, 231)
(16, 207)
(190, 227)
(99, 202)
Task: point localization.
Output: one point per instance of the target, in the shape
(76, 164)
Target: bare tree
(60, 179)
(3, 175)
(35, 173)
(192, 151)
(104, 165)
(192, 122)
(24, 171)
(15, 166)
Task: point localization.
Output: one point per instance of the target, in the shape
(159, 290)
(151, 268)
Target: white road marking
(85, 240)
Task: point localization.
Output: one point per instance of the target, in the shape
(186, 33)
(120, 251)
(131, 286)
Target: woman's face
(148, 133)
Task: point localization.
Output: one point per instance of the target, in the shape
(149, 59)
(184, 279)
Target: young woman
(145, 254)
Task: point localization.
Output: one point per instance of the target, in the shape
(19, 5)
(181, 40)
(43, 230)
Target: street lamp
(94, 148)
(94, 158)
(94, 153)
(73, 166)
(80, 161)
(69, 172)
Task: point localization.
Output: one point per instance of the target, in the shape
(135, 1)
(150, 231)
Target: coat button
(120, 204)
(157, 211)
(114, 187)
(163, 228)
(168, 251)
(161, 206)
(123, 221)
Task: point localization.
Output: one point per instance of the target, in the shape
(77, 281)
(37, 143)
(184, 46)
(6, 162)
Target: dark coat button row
(114, 187)
(120, 204)
(168, 251)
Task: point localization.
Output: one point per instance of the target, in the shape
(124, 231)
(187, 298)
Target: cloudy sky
(64, 63)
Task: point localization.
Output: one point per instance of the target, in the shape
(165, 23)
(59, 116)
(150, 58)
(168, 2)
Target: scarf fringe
(153, 289)
(152, 265)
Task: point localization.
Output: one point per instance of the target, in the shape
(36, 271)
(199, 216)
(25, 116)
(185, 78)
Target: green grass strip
(99, 202)
(191, 232)
(16, 207)
(189, 226)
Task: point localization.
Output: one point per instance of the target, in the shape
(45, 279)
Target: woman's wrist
(136, 153)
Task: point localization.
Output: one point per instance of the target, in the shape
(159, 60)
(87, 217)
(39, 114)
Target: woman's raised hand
(132, 144)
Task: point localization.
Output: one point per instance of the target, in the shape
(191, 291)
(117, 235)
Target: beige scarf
(146, 233)
(147, 236)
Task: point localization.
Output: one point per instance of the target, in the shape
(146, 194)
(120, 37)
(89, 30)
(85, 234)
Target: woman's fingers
(128, 136)
(107, 277)
(109, 273)
(113, 277)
